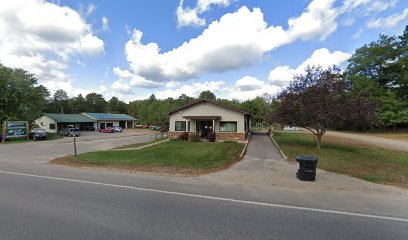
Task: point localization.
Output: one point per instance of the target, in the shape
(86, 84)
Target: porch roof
(201, 117)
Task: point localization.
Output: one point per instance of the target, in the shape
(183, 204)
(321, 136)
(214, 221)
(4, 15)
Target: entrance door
(203, 127)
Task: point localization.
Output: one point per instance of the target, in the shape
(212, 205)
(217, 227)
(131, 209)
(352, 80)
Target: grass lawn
(139, 144)
(172, 157)
(368, 163)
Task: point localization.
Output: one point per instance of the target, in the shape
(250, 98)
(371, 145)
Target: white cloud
(105, 24)
(236, 41)
(388, 22)
(192, 90)
(249, 83)
(249, 87)
(319, 19)
(41, 37)
(189, 16)
(282, 75)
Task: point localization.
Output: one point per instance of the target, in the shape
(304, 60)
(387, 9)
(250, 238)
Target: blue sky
(237, 49)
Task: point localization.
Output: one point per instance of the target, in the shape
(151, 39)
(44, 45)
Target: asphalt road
(38, 208)
(41, 201)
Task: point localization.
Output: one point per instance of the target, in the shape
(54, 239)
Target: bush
(177, 139)
(211, 136)
(195, 137)
(184, 136)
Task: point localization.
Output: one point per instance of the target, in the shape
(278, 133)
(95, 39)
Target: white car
(117, 129)
(289, 128)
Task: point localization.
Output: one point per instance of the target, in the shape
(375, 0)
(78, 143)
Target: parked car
(106, 130)
(117, 129)
(39, 134)
(89, 128)
(70, 132)
(145, 126)
(153, 127)
(1, 138)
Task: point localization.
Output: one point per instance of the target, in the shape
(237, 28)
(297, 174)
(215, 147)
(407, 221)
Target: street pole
(75, 150)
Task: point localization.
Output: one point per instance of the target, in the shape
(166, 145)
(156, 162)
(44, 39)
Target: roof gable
(208, 101)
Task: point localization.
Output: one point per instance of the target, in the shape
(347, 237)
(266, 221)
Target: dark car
(1, 138)
(39, 134)
(70, 132)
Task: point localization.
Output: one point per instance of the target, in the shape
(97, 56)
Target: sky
(234, 48)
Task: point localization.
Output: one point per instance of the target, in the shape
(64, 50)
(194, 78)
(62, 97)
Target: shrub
(211, 136)
(184, 136)
(176, 139)
(195, 137)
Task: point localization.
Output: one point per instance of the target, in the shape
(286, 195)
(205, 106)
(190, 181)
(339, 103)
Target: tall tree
(20, 96)
(96, 103)
(321, 99)
(380, 69)
(207, 95)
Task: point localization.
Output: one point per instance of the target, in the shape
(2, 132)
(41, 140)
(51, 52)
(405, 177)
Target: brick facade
(174, 134)
(222, 136)
(230, 136)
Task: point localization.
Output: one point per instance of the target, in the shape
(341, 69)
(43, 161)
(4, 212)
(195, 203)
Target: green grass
(138, 144)
(175, 154)
(371, 164)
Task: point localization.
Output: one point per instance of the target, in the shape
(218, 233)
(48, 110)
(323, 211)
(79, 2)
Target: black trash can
(307, 168)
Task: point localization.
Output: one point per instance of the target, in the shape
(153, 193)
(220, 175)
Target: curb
(245, 147)
(277, 146)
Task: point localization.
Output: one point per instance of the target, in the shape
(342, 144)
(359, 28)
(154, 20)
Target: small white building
(203, 116)
(54, 123)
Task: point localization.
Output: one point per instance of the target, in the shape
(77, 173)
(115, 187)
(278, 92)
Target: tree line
(377, 72)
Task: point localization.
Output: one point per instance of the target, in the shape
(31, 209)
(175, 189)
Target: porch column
(187, 120)
(125, 124)
(213, 125)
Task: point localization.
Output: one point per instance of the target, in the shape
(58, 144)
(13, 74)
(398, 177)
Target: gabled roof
(209, 101)
(109, 116)
(69, 118)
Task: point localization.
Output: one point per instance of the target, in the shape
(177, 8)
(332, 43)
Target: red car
(106, 130)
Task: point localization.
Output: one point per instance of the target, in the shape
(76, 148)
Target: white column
(213, 125)
(125, 124)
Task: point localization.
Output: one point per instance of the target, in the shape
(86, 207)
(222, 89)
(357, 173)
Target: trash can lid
(306, 158)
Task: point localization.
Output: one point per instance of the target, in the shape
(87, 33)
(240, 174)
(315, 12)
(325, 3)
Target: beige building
(204, 116)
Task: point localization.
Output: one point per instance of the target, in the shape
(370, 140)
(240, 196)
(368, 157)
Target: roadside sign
(15, 129)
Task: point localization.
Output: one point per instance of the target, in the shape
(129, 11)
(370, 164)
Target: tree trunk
(319, 141)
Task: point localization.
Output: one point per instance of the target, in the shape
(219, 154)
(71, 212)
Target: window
(228, 126)
(188, 126)
(52, 125)
(180, 126)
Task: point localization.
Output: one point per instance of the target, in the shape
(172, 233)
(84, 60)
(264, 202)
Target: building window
(52, 126)
(181, 126)
(228, 126)
(188, 126)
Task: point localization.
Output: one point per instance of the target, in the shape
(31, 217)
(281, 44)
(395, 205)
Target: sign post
(75, 150)
(3, 136)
